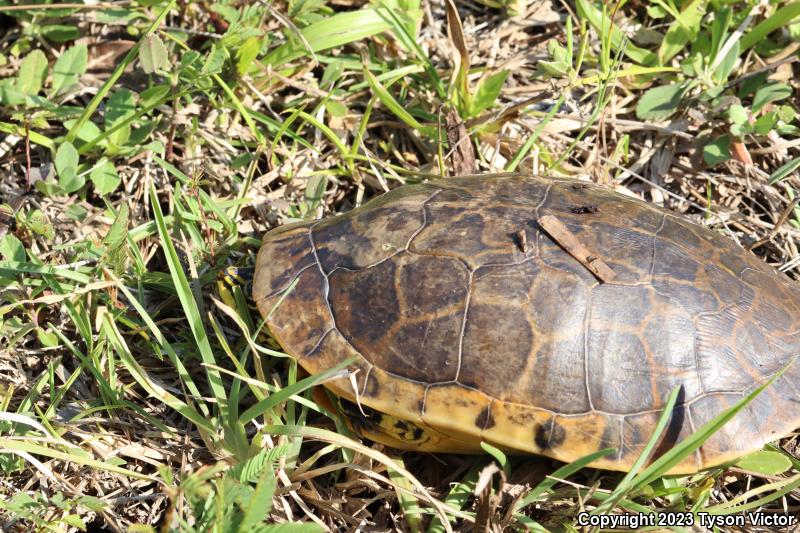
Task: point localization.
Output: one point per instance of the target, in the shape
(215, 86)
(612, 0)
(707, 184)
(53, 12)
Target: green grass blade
(155, 390)
(780, 488)
(394, 106)
(784, 171)
(627, 505)
(626, 485)
(605, 27)
(13, 268)
(388, 77)
(331, 32)
(188, 303)
(409, 503)
(663, 464)
(36, 138)
(459, 495)
(287, 392)
(498, 456)
(337, 142)
(780, 19)
(525, 148)
(13, 445)
(546, 485)
(410, 43)
(531, 524)
(166, 347)
(627, 72)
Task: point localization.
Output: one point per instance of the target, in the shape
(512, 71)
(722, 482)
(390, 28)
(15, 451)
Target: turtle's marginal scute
(467, 328)
(372, 387)
(306, 325)
(281, 259)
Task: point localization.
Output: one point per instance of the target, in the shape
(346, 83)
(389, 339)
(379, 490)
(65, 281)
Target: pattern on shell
(458, 326)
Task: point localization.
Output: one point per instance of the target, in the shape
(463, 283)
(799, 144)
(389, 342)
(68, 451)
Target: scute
(467, 319)
(392, 326)
(356, 241)
(445, 280)
(286, 252)
(308, 318)
(620, 372)
(549, 372)
(492, 360)
(365, 303)
(483, 236)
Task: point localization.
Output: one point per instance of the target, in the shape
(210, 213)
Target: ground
(145, 146)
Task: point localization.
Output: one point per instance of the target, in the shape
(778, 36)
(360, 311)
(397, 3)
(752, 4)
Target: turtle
(468, 320)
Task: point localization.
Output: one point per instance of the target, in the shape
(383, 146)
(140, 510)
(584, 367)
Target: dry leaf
(456, 33)
(462, 152)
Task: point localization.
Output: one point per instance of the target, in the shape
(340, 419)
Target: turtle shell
(467, 318)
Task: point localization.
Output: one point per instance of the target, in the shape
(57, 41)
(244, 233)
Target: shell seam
(326, 294)
(655, 246)
(284, 287)
(586, 318)
(464, 324)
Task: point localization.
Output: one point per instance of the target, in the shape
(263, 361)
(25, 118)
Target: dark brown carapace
(467, 334)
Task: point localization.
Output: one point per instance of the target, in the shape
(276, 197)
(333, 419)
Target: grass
(146, 146)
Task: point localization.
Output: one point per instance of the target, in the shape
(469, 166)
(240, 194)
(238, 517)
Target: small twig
(631, 125)
(767, 68)
(570, 242)
(142, 497)
(783, 218)
(794, 263)
(778, 147)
